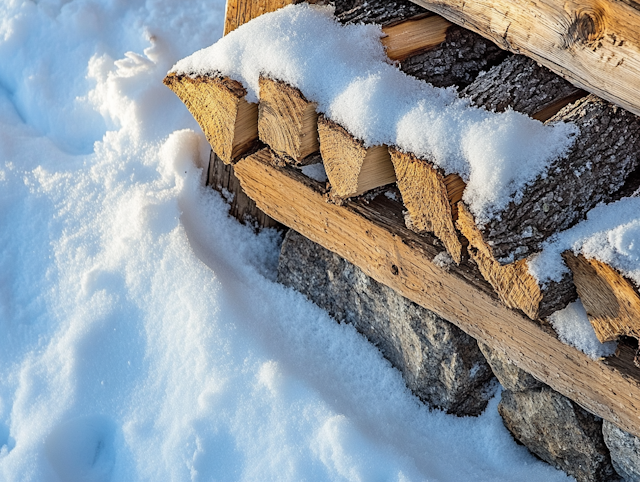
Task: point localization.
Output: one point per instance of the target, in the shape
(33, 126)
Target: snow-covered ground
(141, 334)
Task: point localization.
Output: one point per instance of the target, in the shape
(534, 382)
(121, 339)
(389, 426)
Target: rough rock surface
(440, 363)
(625, 451)
(510, 376)
(559, 432)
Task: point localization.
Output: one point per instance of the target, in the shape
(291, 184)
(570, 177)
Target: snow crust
(573, 328)
(344, 69)
(142, 337)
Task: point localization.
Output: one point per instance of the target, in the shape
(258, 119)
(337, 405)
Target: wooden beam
(593, 43)
(611, 301)
(229, 122)
(352, 169)
(414, 36)
(239, 12)
(373, 237)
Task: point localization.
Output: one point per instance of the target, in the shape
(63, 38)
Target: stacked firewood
(601, 167)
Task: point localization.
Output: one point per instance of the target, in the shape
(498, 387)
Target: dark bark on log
(377, 11)
(522, 84)
(222, 178)
(458, 60)
(600, 164)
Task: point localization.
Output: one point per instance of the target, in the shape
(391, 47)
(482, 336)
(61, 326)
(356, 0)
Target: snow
(142, 335)
(344, 69)
(315, 172)
(573, 328)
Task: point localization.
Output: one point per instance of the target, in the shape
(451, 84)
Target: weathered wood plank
(593, 43)
(373, 237)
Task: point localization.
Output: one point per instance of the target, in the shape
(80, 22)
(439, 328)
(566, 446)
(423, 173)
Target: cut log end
(352, 169)
(430, 199)
(611, 301)
(287, 121)
(228, 121)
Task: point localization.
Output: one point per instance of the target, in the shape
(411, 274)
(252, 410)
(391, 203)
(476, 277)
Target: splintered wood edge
(611, 301)
(379, 244)
(228, 121)
(426, 196)
(376, 170)
(342, 156)
(414, 36)
(287, 121)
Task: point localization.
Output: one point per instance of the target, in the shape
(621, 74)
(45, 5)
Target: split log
(514, 284)
(430, 198)
(229, 122)
(429, 195)
(523, 85)
(381, 12)
(222, 178)
(287, 121)
(611, 301)
(600, 167)
(414, 36)
(594, 44)
(372, 236)
(352, 168)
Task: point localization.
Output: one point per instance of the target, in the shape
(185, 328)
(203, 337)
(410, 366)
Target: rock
(559, 432)
(510, 376)
(625, 451)
(440, 363)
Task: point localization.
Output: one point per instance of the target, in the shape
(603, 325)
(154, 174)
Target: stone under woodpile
(440, 363)
(625, 451)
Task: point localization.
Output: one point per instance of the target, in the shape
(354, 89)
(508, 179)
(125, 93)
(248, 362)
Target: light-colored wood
(373, 237)
(513, 283)
(287, 121)
(414, 36)
(611, 301)
(228, 121)
(239, 12)
(352, 169)
(430, 200)
(593, 43)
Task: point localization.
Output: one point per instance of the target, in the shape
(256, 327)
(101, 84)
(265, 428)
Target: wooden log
(222, 178)
(523, 85)
(600, 167)
(611, 301)
(372, 236)
(352, 168)
(430, 198)
(414, 36)
(229, 122)
(429, 195)
(239, 12)
(381, 12)
(287, 121)
(516, 287)
(594, 44)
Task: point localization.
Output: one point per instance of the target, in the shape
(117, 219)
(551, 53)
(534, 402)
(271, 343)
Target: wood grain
(414, 36)
(593, 43)
(611, 301)
(239, 12)
(373, 237)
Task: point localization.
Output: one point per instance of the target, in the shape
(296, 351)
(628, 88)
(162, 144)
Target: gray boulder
(625, 451)
(559, 432)
(440, 363)
(509, 375)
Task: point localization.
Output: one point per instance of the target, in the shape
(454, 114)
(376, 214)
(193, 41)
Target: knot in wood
(586, 28)
(394, 270)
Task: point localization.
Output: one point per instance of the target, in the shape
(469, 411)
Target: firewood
(600, 167)
(516, 287)
(430, 199)
(351, 167)
(611, 300)
(239, 12)
(518, 83)
(414, 36)
(287, 121)
(593, 44)
(523, 85)
(229, 122)
(372, 236)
